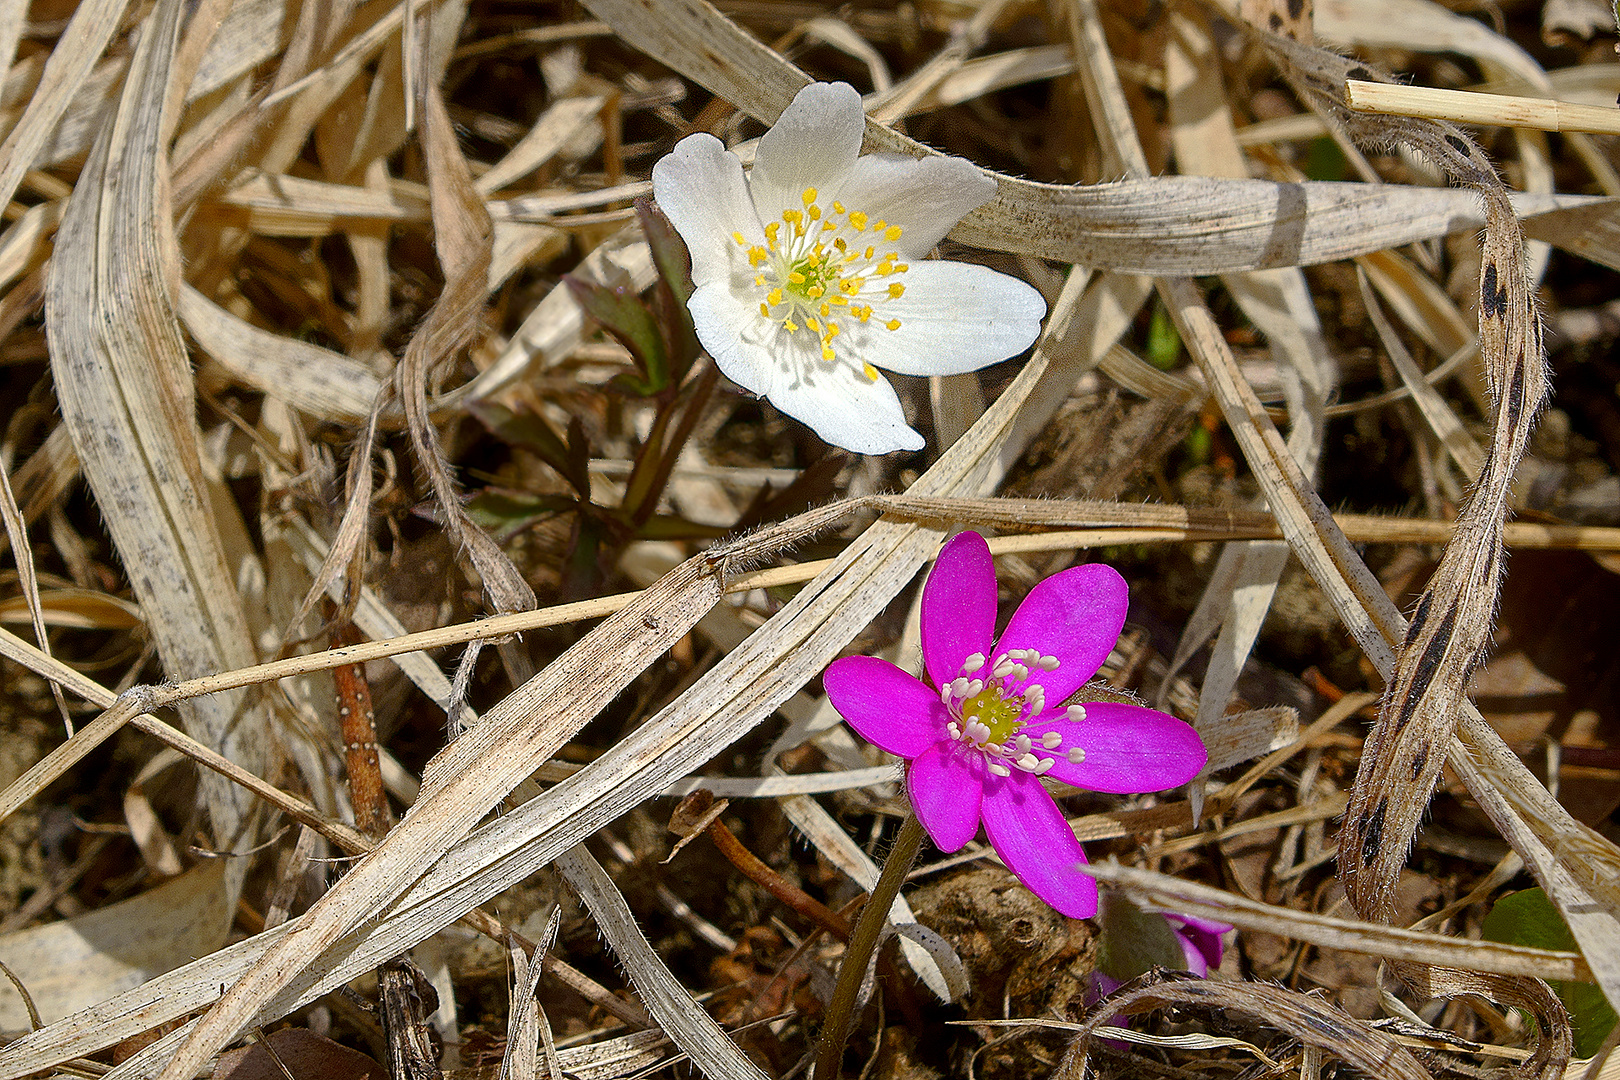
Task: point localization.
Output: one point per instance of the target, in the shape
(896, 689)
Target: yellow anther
(893, 324)
(838, 301)
(826, 309)
(815, 292)
(833, 330)
(862, 313)
(774, 297)
(813, 325)
(827, 354)
(902, 267)
(771, 230)
(896, 291)
(815, 212)
(893, 234)
(880, 225)
(793, 217)
(790, 326)
(809, 196)
(838, 207)
(858, 220)
(869, 252)
(869, 371)
(838, 241)
(757, 255)
(827, 226)
(796, 278)
(759, 281)
(740, 238)
(764, 309)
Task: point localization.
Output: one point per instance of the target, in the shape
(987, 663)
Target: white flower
(809, 272)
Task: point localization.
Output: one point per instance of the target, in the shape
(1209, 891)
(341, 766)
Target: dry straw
(194, 163)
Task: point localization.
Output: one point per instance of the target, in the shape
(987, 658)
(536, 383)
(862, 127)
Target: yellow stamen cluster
(816, 272)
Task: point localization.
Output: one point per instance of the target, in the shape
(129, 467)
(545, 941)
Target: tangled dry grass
(308, 401)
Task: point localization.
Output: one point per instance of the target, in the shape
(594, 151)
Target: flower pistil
(820, 268)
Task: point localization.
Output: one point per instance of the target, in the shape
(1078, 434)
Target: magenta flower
(979, 744)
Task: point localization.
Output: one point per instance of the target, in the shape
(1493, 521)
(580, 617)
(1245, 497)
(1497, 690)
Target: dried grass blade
(1278, 302)
(1442, 421)
(476, 771)
(692, 1029)
(1310, 1020)
(320, 382)
(463, 234)
(1348, 935)
(89, 30)
(122, 377)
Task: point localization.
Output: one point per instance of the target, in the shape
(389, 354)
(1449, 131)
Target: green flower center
(996, 711)
(821, 271)
(988, 717)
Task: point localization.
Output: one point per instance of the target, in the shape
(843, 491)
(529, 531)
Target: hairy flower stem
(862, 944)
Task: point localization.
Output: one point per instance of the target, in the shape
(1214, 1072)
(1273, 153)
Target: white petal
(835, 400)
(925, 198)
(813, 145)
(699, 185)
(954, 317)
(741, 342)
(846, 409)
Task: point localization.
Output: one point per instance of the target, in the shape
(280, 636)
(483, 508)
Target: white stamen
(1027, 763)
(974, 688)
(973, 663)
(1020, 672)
(1023, 744)
(955, 730)
(998, 769)
(1045, 766)
(1048, 663)
(947, 692)
(1003, 668)
(1075, 713)
(1051, 740)
(995, 749)
(960, 686)
(978, 732)
(1076, 755)
(1036, 697)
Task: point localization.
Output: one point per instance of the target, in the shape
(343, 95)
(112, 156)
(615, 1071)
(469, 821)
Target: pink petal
(946, 786)
(1128, 749)
(958, 606)
(1031, 834)
(1075, 616)
(889, 708)
(1200, 940)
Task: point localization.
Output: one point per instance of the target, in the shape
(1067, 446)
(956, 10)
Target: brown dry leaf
(300, 1054)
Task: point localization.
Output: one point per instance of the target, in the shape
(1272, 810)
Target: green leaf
(1325, 161)
(1529, 918)
(621, 313)
(505, 513)
(1132, 942)
(533, 433)
(673, 290)
(1163, 341)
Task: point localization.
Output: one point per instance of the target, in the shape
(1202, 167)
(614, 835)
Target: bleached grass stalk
(1469, 107)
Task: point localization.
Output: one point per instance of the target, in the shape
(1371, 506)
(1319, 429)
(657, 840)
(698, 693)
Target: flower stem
(862, 944)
